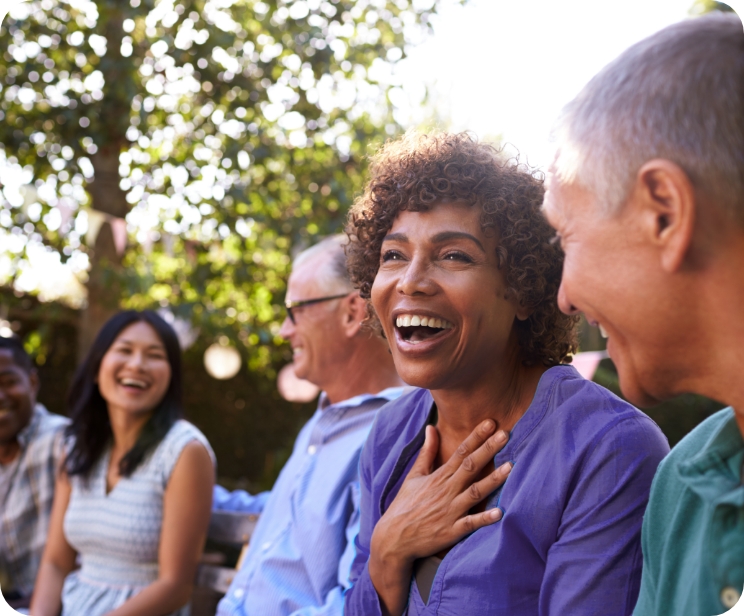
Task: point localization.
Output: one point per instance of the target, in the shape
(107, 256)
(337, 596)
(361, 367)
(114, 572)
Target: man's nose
(416, 279)
(564, 303)
(287, 328)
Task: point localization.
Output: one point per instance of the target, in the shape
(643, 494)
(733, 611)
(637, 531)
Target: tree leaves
(240, 128)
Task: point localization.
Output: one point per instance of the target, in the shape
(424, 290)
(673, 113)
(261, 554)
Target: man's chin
(301, 371)
(641, 399)
(636, 394)
(635, 390)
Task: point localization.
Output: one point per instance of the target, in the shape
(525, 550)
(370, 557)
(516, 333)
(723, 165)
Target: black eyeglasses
(307, 302)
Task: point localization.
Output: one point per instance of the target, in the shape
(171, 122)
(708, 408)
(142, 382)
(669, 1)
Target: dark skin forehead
(8, 364)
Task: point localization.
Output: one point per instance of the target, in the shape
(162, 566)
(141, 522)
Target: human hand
(431, 510)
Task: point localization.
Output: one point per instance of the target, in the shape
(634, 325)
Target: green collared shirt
(693, 530)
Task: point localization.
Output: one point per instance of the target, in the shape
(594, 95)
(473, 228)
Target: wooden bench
(228, 533)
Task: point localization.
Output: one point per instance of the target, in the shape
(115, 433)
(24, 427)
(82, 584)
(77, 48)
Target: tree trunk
(104, 281)
(104, 289)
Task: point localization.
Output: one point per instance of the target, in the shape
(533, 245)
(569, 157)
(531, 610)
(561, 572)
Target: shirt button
(729, 597)
(266, 546)
(312, 449)
(238, 593)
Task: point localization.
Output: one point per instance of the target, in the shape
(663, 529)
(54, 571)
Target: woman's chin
(425, 376)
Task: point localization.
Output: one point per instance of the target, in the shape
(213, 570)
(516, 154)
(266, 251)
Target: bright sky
(507, 67)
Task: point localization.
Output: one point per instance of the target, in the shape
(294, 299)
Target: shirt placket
(725, 545)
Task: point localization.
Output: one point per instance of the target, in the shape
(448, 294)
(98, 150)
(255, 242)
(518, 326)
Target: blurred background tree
(176, 153)
(706, 6)
(227, 132)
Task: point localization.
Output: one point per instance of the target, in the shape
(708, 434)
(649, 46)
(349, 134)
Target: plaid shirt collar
(26, 435)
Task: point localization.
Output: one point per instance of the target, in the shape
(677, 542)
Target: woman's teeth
(602, 331)
(412, 320)
(134, 383)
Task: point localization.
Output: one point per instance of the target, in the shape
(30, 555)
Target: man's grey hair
(334, 275)
(677, 95)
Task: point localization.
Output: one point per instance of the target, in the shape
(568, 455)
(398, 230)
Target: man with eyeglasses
(301, 551)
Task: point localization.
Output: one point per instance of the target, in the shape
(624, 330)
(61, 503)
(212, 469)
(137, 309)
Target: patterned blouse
(117, 534)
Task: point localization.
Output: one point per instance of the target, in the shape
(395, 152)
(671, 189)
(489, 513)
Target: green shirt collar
(715, 472)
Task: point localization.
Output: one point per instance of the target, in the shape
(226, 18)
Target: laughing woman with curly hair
(506, 484)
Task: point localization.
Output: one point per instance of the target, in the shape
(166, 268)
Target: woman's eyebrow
(155, 345)
(396, 237)
(446, 236)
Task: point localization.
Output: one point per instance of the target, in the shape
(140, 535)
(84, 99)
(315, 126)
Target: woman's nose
(416, 279)
(136, 360)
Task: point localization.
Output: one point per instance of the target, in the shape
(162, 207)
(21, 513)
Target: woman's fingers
(471, 523)
(425, 461)
(481, 489)
(472, 465)
(469, 445)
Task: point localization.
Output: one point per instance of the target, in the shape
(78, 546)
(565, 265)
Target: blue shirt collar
(423, 410)
(391, 393)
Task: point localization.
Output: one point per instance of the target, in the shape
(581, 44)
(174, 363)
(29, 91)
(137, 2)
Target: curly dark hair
(417, 172)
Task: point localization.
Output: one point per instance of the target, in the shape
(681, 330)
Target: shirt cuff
(361, 599)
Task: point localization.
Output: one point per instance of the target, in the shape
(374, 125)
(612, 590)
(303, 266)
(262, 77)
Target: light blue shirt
(300, 554)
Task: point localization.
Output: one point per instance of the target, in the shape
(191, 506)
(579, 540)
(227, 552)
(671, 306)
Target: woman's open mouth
(133, 384)
(415, 329)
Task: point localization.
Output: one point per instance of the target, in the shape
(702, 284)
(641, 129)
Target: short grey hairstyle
(677, 95)
(334, 275)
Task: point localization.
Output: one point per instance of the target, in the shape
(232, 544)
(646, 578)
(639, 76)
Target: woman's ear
(520, 311)
(523, 313)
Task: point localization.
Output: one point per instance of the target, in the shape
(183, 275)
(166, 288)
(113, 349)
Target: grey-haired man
(647, 196)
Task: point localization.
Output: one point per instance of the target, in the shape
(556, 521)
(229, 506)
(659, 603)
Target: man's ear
(354, 313)
(33, 378)
(666, 198)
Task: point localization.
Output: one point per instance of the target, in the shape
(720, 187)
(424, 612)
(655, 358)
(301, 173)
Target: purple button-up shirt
(569, 541)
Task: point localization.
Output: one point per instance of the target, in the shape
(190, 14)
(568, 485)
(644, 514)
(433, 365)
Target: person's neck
(9, 451)
(503, 395)
(125, 428)
(717, 347)
(369, 369)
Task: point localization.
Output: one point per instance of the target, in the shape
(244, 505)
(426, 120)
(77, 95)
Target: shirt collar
(716, 470)
(423, 409)
(391, 393)
(25, 435)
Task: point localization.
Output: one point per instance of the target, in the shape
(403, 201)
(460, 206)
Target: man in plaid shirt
(31, 446)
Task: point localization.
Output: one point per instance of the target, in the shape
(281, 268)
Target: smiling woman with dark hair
(449, 246)
(134, 498)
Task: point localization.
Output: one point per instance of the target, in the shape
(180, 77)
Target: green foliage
(239, 129)
(35, 347)
(706, 6)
